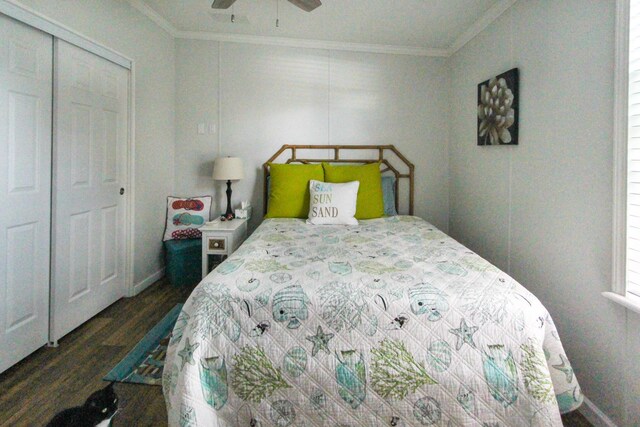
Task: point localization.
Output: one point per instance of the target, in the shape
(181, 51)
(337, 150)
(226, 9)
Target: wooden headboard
(335, 154)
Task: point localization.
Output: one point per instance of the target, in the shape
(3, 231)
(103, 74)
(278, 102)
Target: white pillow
(332, 203)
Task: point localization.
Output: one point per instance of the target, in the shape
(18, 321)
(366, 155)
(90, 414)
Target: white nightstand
(221, 238)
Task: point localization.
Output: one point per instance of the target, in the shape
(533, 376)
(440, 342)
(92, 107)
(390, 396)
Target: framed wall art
(498, 109)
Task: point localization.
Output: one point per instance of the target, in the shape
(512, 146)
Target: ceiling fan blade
(222, 4)
(306, 5)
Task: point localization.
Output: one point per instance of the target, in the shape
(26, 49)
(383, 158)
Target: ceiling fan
(306, 5)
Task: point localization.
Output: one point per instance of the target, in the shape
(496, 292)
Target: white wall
(261, 97)
(114, 23)
(543, 210)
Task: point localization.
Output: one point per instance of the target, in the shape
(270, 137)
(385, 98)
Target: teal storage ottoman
(183, 259)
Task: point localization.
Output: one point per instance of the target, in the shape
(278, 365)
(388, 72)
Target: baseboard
(594, 415)
(144, 284)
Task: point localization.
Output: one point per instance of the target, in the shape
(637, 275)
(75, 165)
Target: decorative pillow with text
(333, 203)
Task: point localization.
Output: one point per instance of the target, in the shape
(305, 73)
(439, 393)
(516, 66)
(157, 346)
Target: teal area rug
(143, 364)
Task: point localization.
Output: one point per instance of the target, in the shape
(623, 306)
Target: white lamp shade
(228, 169)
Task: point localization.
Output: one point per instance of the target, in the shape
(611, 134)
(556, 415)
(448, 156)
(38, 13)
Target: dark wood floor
(52, 379)
(575, 419)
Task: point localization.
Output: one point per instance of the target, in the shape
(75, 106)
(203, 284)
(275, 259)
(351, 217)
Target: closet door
(90, 158)
(25, 188)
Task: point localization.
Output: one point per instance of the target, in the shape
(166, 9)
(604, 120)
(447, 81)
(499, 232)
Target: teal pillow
(389, 195)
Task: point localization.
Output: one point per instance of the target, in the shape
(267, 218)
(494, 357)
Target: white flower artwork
(498, 110)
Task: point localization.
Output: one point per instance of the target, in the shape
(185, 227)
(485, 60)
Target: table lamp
(228, 169)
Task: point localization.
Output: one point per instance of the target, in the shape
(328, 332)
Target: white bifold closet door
(90, 134)
(25, 189)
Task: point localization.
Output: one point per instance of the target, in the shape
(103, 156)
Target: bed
(387, 323)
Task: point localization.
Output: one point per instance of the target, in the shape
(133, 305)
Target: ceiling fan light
(306, 5)
(222, 4)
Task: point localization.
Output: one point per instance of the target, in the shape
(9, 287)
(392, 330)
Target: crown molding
(20, 12)
(163, 23)
(160, 20)
(313, 44)
(481, 24)
(476, 28)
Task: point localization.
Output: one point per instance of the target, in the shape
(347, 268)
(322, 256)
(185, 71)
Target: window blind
(633, 154)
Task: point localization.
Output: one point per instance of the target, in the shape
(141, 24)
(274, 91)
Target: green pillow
(370, 203)
(289, 192)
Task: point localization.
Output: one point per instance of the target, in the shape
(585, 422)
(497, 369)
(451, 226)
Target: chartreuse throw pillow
(289, 189)
(370, 203)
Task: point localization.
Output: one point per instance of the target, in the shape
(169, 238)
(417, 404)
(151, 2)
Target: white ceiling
(431, 24)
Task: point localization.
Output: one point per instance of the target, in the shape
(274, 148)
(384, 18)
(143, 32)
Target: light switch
(212, 128)
(201, 128)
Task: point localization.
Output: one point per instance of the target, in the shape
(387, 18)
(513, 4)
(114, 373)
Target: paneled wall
(260, 97)
(542, 210)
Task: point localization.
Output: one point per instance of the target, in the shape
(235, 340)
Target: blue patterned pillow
(389, 195)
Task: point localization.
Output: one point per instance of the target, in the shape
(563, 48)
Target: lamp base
(229, 212)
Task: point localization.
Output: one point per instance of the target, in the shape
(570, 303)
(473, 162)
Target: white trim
(131, 188)
(594, 415)
(629, 301)
(150, 13)
(54, 146)
(34, 19)
(480, 25)
(144, 284)
(313, 44)
(158, 19)
(620, 146)
(476, 28)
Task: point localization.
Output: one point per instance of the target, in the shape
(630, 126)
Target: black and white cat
(97, 411)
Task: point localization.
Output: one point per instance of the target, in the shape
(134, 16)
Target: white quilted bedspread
(389, 323)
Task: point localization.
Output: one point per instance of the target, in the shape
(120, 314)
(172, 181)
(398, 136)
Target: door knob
(121, 191)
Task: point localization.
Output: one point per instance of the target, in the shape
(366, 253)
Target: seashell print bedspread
(389, 323)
